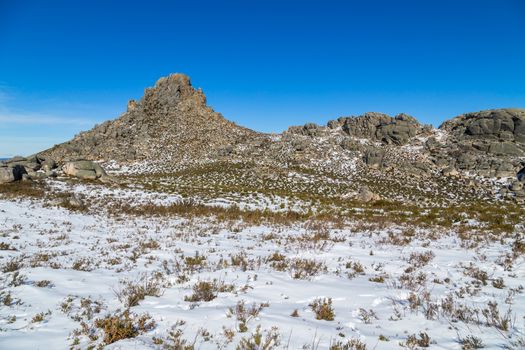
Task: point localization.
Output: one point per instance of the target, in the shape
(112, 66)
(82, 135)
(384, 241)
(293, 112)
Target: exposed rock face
(373, 157)
(21, 168)
(381, 127)
(450, 172)
(84, 169)
(488, 143)
(10, 174)
(503, 125)
(308, 129)
(48, 165)
(516, 186)
(170, 125)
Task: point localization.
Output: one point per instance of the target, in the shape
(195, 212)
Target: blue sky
(66, 65)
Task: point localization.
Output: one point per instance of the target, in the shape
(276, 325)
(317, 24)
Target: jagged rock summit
(171, 124)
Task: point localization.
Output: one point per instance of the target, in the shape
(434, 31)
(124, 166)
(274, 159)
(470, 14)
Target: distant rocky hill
(171, 130)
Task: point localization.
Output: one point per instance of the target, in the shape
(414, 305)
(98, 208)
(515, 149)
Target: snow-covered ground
(63, 272)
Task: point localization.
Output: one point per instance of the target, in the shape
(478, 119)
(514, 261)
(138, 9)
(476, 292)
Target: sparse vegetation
(243, 314)
(323, 309)
(124, 325)
(131, 292)
(189, 249)
(207, 291)
(416, 341)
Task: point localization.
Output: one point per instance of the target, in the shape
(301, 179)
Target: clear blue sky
(66, 65)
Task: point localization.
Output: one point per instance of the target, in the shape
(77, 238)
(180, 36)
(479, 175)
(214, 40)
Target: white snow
(51, 241)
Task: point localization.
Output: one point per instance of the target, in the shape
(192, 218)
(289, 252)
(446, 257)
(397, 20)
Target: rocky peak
(170, 90)
(170, 95)
(171, 122)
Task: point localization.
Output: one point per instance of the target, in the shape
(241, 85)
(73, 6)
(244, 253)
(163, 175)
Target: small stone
(75, 201)
(365, 195)
(516, 186)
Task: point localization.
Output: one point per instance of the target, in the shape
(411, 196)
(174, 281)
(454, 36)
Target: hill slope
(170, 125)
(182, 145)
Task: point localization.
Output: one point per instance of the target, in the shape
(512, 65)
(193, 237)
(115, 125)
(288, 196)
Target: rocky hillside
(179, 143)
(170, 125)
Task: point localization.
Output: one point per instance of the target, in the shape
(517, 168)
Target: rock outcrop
(365, 195)
(84, 169)
(380, 127)
(30, 168)
(170, 125)
(37, 167)
(11, 174)
(489, 143)
(496, 125)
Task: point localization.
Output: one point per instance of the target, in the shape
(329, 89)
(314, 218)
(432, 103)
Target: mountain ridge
(171, 129)
(174, 97)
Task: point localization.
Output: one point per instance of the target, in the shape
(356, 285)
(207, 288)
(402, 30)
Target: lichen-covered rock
(450, 171)
(365, 195)
(495, 124)
(32, 165)
(488, 143)
(84, 169)
(29, 166)
(48, 165)
(309, 129)
(11, 173)
(505, 148)
(6, 175)
(373, 157)
(16, 159)
(380, 127)
(503, 169)
(516, 186)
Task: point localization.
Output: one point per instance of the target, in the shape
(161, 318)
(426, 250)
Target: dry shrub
(132, 292)
(352, 344)
(23, 189)
(244, 313)
(12, 265)
(476, 273)
(207, 291)
(306, 268)
(414, 342)
(188, 208)
(418, 260)
(124, 326)
(323, 309)
(6, 246)
(256, 341)
(518, 247)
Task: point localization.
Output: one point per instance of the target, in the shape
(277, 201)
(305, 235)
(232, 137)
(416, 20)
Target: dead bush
(132, 292)
(323, 309)
(123, 326)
